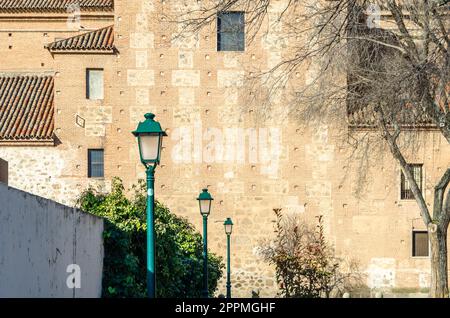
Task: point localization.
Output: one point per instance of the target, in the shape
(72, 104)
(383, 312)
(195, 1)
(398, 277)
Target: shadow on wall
(4, 171)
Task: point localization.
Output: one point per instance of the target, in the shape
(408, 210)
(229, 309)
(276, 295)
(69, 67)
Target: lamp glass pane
(228, 228)
(149, 147)
(205, 206)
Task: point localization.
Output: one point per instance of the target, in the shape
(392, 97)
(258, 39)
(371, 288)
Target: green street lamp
(228, 224)
(204, 200)
(149, 135)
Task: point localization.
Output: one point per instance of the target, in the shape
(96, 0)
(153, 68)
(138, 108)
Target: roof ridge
(54, 6)
(79, 35)
(5, 74)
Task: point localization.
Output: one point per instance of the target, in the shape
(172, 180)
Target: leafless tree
(396, 79)
(306, 265)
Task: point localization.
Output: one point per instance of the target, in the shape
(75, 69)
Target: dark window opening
(420, 244)
(230, 31)
(95, 163)
(405, 187)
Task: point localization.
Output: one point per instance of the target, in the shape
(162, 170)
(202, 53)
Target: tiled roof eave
(26, 108)
(101, 40)
(26, 139)
(404, 126)
(407, 118)
(55, 11)
(44, 6)
(85, 51)
(23, 143)
(57, 16)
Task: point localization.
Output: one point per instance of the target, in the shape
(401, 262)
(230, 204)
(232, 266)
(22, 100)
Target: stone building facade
(250, 165)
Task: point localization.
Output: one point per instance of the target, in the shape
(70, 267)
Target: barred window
(405, 187)
(230, 31)
(420, 244)
(95, 163)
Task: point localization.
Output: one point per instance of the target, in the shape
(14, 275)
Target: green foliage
(179, 247)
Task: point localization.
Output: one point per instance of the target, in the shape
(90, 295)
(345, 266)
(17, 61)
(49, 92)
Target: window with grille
(420, 244)
(94, 83)
(230, 31)
(95, 163)
(405, 187)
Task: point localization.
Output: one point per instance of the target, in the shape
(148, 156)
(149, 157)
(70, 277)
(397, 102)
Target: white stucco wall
(39, 239)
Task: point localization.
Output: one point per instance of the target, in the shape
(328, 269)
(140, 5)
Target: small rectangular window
(95, 163)
(230, 31)
(420, 244)
(94, 83)
(405, 187)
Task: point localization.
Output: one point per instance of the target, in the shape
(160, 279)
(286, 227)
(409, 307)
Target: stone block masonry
(227, 131)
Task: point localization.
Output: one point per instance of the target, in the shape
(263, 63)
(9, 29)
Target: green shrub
(179, 269)
(305, 264)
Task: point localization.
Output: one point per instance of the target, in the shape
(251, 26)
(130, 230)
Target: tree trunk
(438, 239)
(439, 274)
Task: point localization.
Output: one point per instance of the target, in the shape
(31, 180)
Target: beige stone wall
(251, 160)
(23, 37)
(60, 172)
(377, 228)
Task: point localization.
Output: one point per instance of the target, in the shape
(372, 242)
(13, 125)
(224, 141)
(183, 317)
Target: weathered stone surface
(95, 130)
(274, 59)
(137, 113)
(231, 187)
(148, 6)
(141, 22)
(278, 6)
(96, 115)
(185, 59)
(141, 77)
(274, 42)
(185, 41)
(185, 115)
(381, 273)
(142, 96)
(230, 60)
(142, 40)
(186, 96)
(231, 96)
(228, 78)
(184, 78)
(141, 59)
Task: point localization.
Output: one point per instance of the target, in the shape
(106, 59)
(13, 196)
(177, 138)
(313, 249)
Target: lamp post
(149, 135)
(228, 224)
(205, 200)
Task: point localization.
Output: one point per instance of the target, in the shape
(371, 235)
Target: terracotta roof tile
(408, 117)
(17, 6)
(26, 108)
(101, 40)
